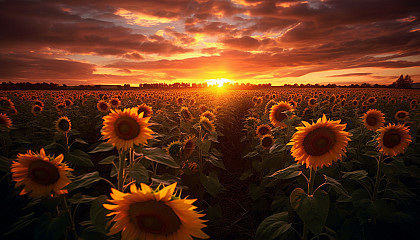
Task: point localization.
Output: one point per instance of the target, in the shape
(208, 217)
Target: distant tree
(403, 82)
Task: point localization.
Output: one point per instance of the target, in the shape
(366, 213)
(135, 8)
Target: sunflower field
(275, 163)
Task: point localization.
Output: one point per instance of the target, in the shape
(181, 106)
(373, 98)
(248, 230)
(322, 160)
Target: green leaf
(79, 140)
(108, 160)
(313, 210)
(79, 158)
(203, 145)
(160, 156)
(355, 175)
(337, 186)
(5, 164)
(216, 162)
(277, 146)
(84, 180)
(211, 184)
(138, 172)
(22, 223)
(103, 147)
(251, 154)
(98, 214)
(273, 226)
(288, 172)
(49, 227)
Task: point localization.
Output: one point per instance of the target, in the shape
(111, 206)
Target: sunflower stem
(67, 209)
(310, 191)
(378, 179)
(123, 153)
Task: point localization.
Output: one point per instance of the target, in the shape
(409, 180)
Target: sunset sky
(80, 42)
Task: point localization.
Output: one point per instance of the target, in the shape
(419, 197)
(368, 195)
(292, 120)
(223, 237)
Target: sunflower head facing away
(63, 125)
(126, 128)
(277, 114)
(186, 114)
(40, 174)
(207, 125)
(320, 143)
(373, 119)
(188, 146)
(209, 115)
(154, 214)
(393, 139)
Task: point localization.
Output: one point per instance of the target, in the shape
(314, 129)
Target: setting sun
(218, 82)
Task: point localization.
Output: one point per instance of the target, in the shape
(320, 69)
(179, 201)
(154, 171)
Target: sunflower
(126, 128)
(146, 110)
(6, 103)
(59, 107)
(202, 108)
(40, 174)
(5, 120)
(292, 103)
(39, 103)
(373, 119)
(208, 114)
(269, 105)
(36, 109)
(180, 101)
(154, 214)
(262, 130)
(114, 102)
(188, 146)
(68, 102)
(320, 143)
(402, 115)
(267, 141)
(312, 102)
(63, 125)
(355, 102)
(174, 148)
(186, 114)
(252, 122)
(102, 106)
(277, 114)
(393, 139)
(371, 100)
(207, 125)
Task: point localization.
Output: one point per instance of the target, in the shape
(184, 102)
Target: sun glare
(218, 82)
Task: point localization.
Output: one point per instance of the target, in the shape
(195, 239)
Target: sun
(219, 82)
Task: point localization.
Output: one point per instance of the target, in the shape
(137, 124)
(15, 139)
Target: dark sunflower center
(64, 125)
(37, 108)
(5, 103)
(391, 139)
(319, 141)
(263, 130)
(114, 102)
(186, 114)
(144, 111)
(267, 142)
(68, 103)
(43, 173)
(127, 128)
(154, 217)
(371, 120)
(2, 121)
(103, 106)
(312, 101)
(280, 116)
(401, 115)
(371, 100)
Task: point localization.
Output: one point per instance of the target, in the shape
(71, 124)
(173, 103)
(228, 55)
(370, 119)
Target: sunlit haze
(197, 41)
